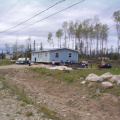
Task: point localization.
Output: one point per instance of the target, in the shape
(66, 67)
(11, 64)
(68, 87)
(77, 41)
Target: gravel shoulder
(13, 109)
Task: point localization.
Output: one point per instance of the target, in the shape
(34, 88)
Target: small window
(56, 54)
(38, 55)
(33, 54)
(45, 54)
(70, 54)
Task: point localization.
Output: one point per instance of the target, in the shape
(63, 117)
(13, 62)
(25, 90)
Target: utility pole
(2, 55)
(34, 45)
(41, 46)
(29, 43)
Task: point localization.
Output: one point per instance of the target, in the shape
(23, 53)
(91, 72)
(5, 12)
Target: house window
(70, 54)
(45, 54)
(56, 54)
(38, 55)
(33, 54)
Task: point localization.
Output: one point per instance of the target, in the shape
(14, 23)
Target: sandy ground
(69, 101)
(16, 66)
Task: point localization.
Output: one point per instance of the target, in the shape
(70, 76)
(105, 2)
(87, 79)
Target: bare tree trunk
(118, 52)
(60, 42)
(97, 49)
(72, 42)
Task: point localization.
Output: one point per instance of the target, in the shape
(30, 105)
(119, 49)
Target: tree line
(89, 37)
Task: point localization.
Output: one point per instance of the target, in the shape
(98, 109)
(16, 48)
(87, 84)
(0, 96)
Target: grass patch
(74, 75)
(95, 95)
(18, 112)
(8, 115)
(29, 114)
(71, 103)
(5, 62)
(23, 104)
(68, 77)
(48, 112)
(115, 91)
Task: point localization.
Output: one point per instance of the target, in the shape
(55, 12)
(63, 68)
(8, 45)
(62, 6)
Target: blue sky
(22, 10)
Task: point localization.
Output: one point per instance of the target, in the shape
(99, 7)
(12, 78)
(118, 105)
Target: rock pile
(107, 76)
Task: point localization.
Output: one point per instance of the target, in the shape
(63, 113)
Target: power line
(11, 7)
(45, 18)
(32, 17)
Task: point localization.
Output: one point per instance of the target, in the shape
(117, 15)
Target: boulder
(118, 83)
(83, 82)
(115, 78)
(81, 78)
(93, 77)
(107, 75)
(107, 84)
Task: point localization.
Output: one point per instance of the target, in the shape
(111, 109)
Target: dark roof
(54, 50)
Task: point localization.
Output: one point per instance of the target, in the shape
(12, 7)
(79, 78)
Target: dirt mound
(69, 101)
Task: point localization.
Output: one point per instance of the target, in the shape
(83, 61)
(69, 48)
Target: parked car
(83, 64)
(104, 65)
(74, 62)
(22, 61)
(71, 62)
